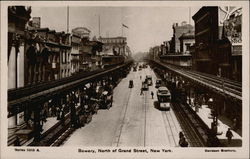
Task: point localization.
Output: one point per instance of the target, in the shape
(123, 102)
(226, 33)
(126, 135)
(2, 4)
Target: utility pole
(122, 31)
(67, 19)
(189, 9)
(99, 22)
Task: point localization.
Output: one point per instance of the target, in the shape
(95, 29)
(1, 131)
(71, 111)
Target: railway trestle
(72, 103)
(221, 96)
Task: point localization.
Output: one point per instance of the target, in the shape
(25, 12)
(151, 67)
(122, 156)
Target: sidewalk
(205, 114)
(49, 123)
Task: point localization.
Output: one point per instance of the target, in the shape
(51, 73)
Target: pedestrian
(44, 115)
(235, 124)
(183, 142)
(229, 136)
(78, 125)
(141, 91)
(181, 136)
(58, 113)
(152, 94)
(62, 116)
(140, 77)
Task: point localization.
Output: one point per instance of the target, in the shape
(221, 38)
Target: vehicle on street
(158, 83)
(149, 80)
(106, 100)
(144, 86)
(131, 84)
(134, 69)
(164, 98)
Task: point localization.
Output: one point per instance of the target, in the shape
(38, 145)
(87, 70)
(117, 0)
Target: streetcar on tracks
(164, 98)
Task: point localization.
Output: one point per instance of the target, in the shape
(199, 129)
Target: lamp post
(214, 115)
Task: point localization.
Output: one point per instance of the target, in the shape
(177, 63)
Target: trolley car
(164, 98)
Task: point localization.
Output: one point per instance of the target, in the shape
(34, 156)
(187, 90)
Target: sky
(147, 26)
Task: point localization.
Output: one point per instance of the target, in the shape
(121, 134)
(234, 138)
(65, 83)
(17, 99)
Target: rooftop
(188, 35)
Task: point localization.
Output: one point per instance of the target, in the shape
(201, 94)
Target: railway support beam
(37, 120)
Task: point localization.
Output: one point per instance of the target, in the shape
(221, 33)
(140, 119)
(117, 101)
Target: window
(66, 56)
(188, 46)
(63, 57)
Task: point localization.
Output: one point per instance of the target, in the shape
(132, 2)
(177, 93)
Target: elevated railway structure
(232, 89)
(195, 130)
(226, 100)
(17, 97)
(32, 102)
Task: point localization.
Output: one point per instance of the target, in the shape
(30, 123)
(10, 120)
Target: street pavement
(131, 121)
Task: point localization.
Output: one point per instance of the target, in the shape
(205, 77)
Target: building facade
(186, 41)
(177, 32)
(18, 16)
(46, 55)
(177, 50)
(114, 45)
(75, 41)
(90, 52)
(232, 42)
(63, 39)
(213, 49)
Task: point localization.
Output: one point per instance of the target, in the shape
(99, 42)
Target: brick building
(47, 55)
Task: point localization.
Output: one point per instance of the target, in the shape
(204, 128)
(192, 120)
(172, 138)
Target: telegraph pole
(189, 9)
(99, 20)
(122, 31)
(67, 19)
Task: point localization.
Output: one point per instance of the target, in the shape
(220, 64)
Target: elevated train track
(222, 85)
(197, 133)
(33, 95)
(19, 96)
(195, 130)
